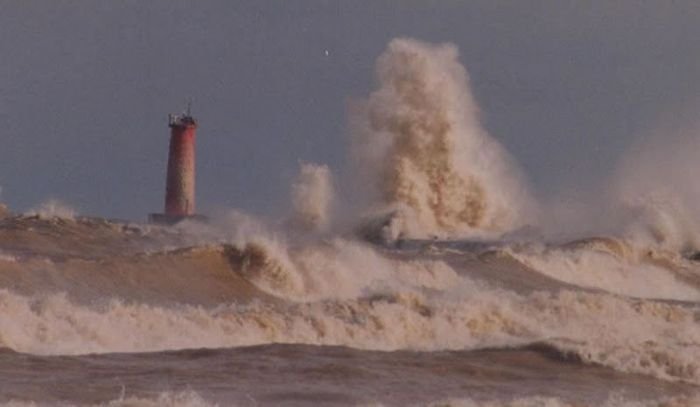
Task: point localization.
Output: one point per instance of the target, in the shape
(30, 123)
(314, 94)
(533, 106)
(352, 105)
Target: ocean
(97, 312)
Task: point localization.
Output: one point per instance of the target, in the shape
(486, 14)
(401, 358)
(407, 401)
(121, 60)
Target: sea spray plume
(656, 186)
(332, 269)
(312, 197)
(231, 226)
(651, 199)
(436, 168)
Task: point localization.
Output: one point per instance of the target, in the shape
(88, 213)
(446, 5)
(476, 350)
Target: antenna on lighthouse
(189, 107)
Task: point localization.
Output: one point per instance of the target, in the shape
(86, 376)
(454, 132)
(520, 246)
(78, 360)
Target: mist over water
(651, 199)
(658, 180)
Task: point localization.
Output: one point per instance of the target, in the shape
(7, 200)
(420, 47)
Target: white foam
(53, 208)
(624, 275)
(644, 337)
(339, 269)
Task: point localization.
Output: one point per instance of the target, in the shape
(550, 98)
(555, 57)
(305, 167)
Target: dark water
(297, 375)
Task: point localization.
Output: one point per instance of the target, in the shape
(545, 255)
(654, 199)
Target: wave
(60, 239)
(616, 266)
(654, 338)
(93, 259)
(200, 275)
(334, 269)
(333, 292)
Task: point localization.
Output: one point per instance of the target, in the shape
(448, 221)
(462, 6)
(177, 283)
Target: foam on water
(343, 292)
(433, 309)
(621, 273)
(53, 208)
(335, 269)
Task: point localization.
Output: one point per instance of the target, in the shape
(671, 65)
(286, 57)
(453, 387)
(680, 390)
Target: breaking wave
(640, 336)
(614, 265)
(337, 291)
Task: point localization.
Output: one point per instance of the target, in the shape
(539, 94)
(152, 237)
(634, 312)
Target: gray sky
(86, 86)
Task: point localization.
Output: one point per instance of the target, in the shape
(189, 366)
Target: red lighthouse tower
(179, 188)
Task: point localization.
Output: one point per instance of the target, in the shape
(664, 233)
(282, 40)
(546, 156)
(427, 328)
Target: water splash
(419, 136)
(312, 197)
(53, 208)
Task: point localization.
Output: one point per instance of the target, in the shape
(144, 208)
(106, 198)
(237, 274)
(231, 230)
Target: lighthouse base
(165, 219)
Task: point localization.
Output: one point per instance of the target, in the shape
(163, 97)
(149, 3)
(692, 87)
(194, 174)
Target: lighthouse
(180, 180)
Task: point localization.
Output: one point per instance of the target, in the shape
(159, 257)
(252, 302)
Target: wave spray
(437, 171)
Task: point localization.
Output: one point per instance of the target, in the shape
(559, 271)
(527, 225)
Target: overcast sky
(86, 86)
